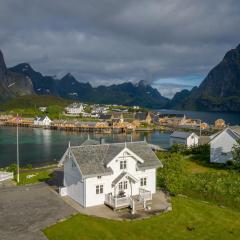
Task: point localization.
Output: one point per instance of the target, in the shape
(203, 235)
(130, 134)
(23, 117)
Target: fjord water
(41, 146)
(209, 117)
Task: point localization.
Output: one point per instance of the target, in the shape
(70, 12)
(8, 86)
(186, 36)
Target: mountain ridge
(12, 83)
(219, 91)
(68, 87)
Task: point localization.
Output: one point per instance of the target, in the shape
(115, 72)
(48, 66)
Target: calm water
(39, 146)
(209, 117)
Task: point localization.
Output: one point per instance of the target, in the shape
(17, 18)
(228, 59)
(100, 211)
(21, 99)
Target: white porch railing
(116, 202)
(6, 176)
(144, 195)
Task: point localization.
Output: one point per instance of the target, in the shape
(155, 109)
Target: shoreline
(162, 128)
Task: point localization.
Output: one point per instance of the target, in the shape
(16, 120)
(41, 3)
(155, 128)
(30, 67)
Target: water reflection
(38, 146)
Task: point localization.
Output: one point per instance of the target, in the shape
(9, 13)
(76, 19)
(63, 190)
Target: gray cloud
(105, 42)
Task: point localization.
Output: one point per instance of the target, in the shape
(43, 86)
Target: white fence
(6, 176)
(115, 202)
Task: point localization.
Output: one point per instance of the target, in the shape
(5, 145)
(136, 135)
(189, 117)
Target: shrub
(178, 148)
(12, 168)
(218, 186)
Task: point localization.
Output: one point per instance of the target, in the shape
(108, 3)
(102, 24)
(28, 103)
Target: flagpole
(17, 154)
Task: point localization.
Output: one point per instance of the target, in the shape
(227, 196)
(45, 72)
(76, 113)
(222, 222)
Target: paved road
(25, 211)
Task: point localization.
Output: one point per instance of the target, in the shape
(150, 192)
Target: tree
(236, 152)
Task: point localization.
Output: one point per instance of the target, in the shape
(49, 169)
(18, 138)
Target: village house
(42, 109)
(105, 117)
(221, 145)
(204, 126)
(172, 119)
(144, 117)
(117, 174)
(185, 138)
(42, 121)
(75, 109)
(117, 117)
(219, 123)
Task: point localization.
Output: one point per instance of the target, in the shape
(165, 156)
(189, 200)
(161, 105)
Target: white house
(75, 109)
(117, 174)
(42, 121)
(221, 145)
(186, 138)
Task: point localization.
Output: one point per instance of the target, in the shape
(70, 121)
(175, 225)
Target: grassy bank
(31, 177)
(192, 175)
(190, 219)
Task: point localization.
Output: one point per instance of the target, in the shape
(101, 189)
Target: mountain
(178, 99)
(43, 85)
(68, 87)
(219, 91)
(13, 84)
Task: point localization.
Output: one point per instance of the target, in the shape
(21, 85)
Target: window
(99, 177)
(123, 185)
(123, 164)
(99, 189)
(120, 186)
(143, 182)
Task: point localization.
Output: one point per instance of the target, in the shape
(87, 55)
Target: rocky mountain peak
(3, 68)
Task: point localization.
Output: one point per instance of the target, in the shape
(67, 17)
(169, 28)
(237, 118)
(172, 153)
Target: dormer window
(123, 164)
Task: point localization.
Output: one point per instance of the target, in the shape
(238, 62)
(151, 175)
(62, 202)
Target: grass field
(191, 175)
(190, 219)
(31, 177)
(210, 209)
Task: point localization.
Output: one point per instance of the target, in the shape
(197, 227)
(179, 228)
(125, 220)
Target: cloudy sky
(171, 44)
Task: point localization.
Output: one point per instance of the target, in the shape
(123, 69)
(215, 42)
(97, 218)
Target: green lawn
(191, 175)
(31, 177)
(190, 219)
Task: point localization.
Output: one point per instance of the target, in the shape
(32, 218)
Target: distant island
(219, 91)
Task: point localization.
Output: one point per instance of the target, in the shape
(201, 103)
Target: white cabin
(75, 109)
(112, 174)
(42, 121)
(186, 138)
(221, 145)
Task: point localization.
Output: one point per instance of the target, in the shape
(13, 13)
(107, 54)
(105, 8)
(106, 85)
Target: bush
(218, 186)
(12, 168)
(178, 148)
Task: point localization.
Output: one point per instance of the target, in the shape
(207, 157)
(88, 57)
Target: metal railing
(6, 176)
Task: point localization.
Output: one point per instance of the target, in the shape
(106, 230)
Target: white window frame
(123, 164)
(120, 186)
(125, 185)
(143, 181)
(99, 189)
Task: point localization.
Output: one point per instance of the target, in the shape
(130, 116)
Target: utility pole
(17, 152)
(200, 130)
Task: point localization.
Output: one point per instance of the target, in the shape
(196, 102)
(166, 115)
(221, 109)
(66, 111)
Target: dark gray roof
(120, 176)
(236, 129)
(105, 116)
(90, 142)
(178, 134)
(141, 116)
(93, 159)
